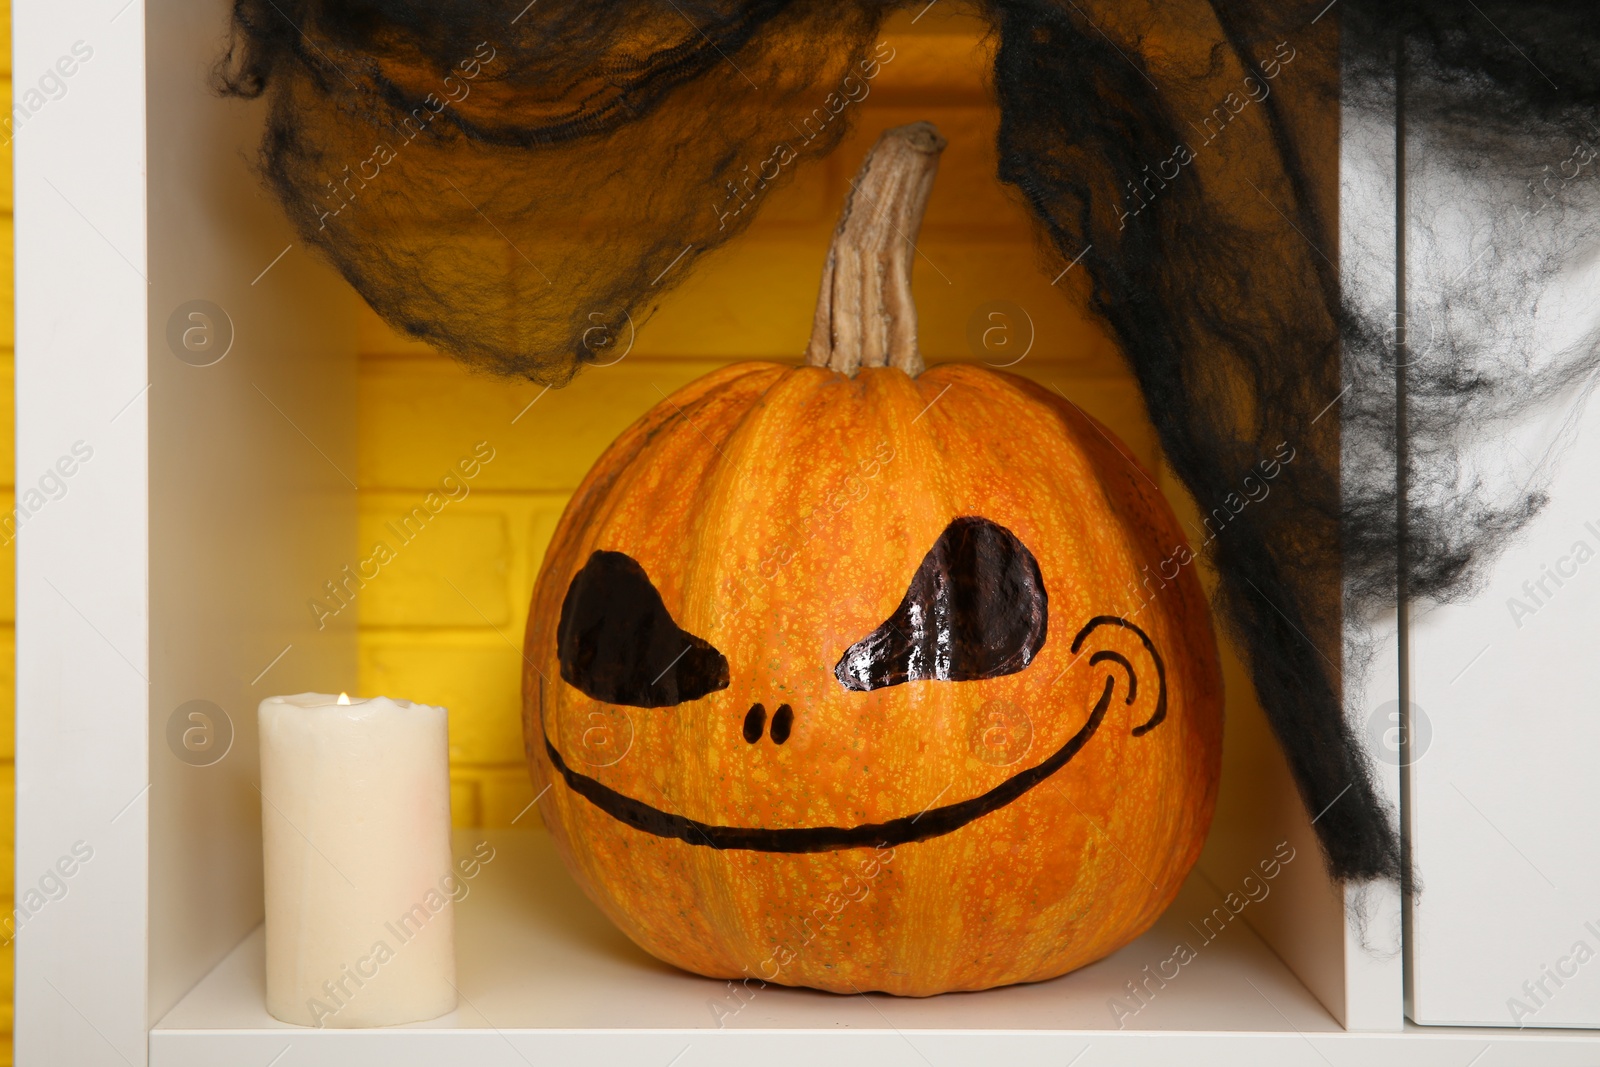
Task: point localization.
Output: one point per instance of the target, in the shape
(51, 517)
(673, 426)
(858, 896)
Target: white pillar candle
(355, 818)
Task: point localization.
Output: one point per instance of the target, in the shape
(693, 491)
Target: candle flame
(344, 698)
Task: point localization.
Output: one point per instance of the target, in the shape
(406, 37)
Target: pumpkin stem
(865, 314)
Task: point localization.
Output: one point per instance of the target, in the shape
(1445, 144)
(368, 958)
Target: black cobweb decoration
(510, 181)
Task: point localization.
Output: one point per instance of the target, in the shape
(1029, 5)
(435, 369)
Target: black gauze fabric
(518, 184)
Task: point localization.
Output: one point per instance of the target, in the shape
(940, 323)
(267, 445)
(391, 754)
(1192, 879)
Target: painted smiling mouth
(930, 823)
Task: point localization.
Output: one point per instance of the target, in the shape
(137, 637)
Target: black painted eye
(617, 642)
(976, 608)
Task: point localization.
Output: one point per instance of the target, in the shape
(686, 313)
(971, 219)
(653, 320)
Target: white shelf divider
(81, 592)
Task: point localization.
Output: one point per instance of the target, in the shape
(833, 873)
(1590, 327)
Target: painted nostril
(782, 723)
(755, 720)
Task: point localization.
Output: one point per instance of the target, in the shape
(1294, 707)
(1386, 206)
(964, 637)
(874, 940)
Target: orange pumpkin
(857, 677)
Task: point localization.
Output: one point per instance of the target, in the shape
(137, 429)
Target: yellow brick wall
(8, 553)
(444, 621)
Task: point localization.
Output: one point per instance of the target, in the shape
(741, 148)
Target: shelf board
(545, 978)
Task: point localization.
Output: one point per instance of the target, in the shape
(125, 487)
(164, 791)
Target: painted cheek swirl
(1160, 714)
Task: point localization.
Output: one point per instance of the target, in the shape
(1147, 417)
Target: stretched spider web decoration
(1187, 153)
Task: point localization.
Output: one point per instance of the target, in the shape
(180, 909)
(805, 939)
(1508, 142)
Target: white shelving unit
(177, 567)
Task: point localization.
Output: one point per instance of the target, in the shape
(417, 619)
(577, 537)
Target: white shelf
(546, 979)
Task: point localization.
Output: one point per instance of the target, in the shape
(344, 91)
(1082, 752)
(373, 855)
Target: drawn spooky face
(976, 608)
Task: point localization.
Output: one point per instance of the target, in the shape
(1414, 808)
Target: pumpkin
(860, 677)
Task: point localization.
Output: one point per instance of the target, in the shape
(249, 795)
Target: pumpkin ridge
(601, 479)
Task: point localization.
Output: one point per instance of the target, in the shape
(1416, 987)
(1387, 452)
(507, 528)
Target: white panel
(252, 498)
(1504, 795)
(82, 607)
(1505, 799)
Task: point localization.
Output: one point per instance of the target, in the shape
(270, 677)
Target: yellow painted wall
(8, 551)
(444, 621)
